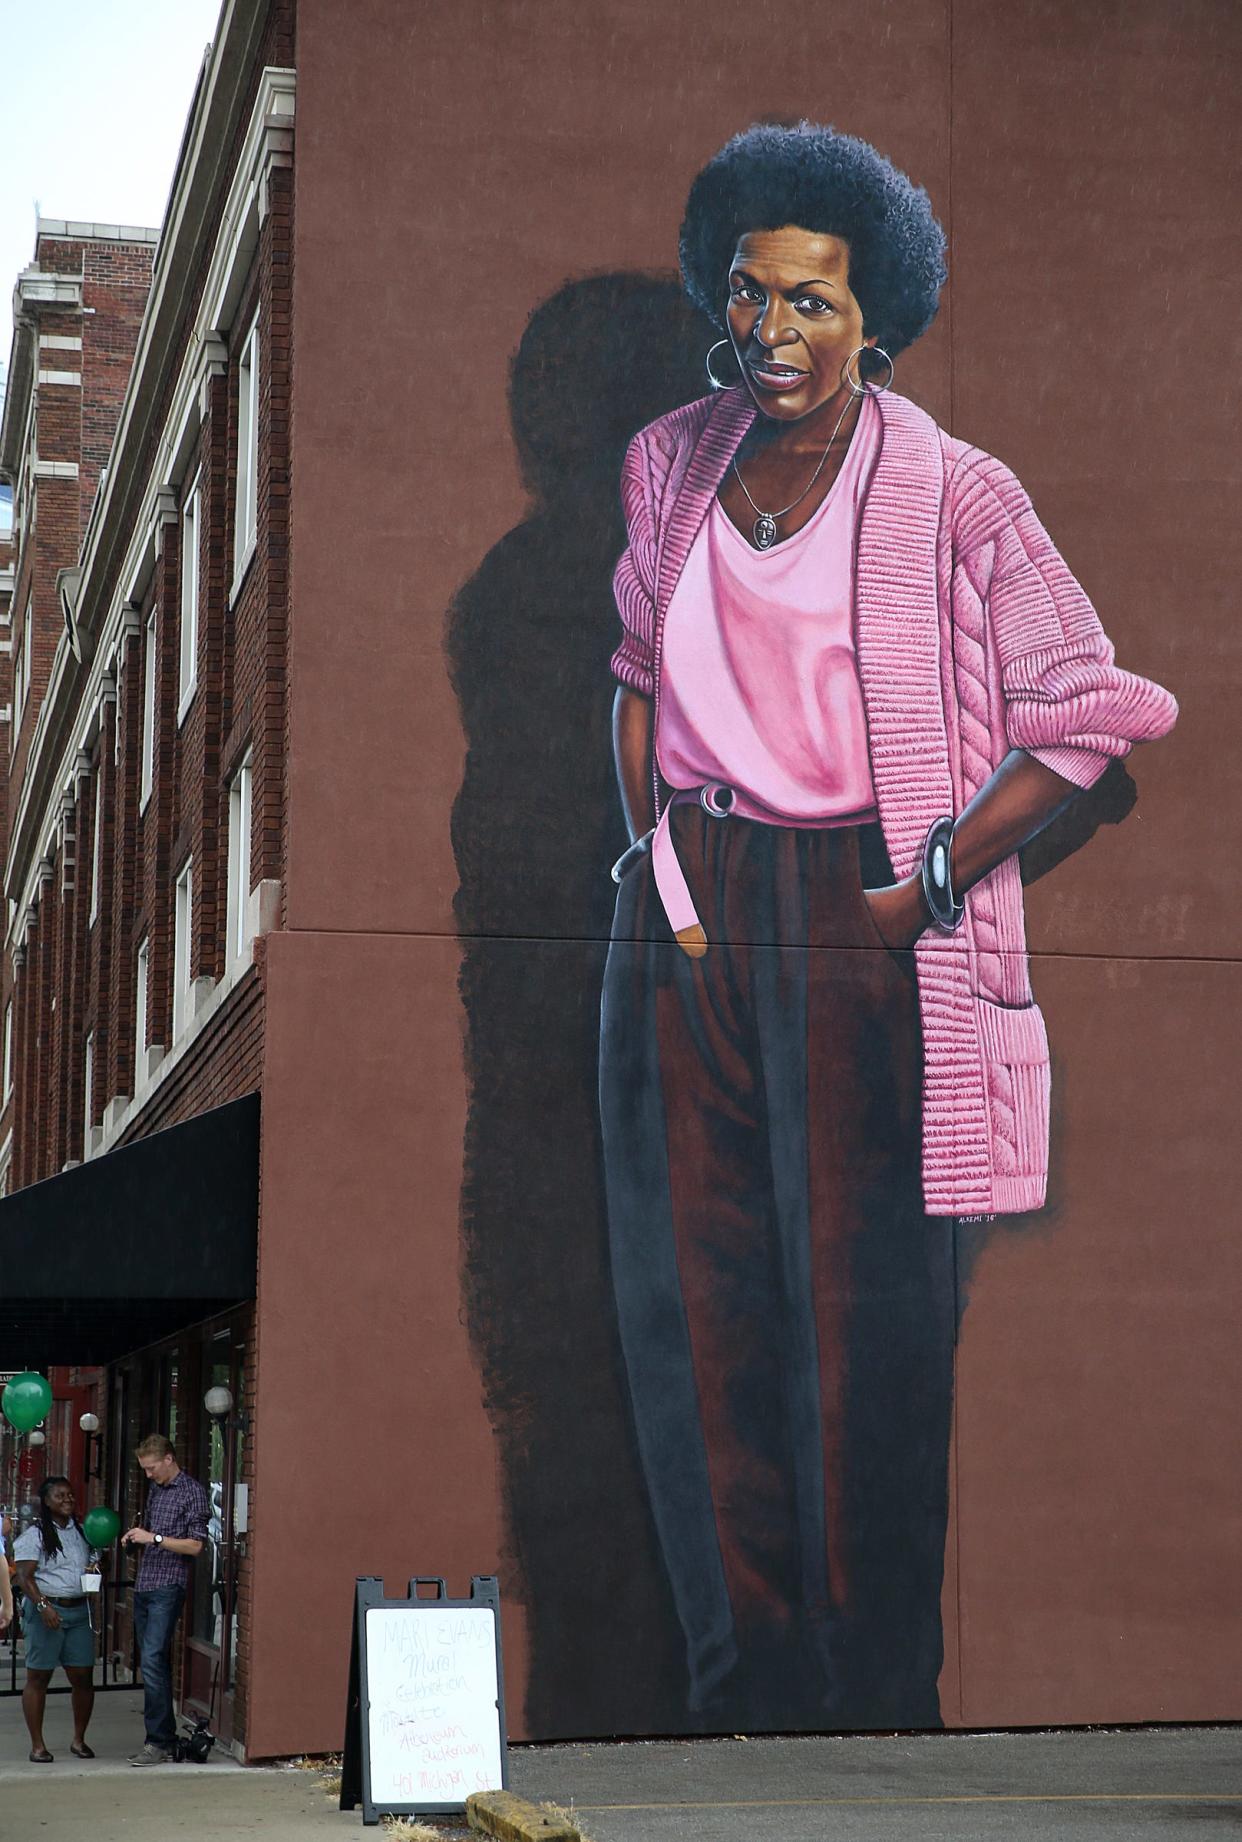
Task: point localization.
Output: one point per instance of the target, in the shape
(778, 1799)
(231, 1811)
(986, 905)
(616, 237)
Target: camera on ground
(194, 1747)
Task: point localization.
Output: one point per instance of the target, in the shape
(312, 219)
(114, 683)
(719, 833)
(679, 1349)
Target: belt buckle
(716, 799)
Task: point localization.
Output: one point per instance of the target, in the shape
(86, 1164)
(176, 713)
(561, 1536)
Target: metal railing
(108, 1660)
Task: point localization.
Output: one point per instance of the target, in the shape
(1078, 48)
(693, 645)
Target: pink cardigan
(973, 638)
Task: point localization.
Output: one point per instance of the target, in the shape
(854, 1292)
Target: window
(169, 1393)
(88, 1093)
(238, 905)
(97, 839)
(247, 447)
(8, 1048)
(189, 601)
(148, 712)
(183, 918)
(6, 510)
(142, 980)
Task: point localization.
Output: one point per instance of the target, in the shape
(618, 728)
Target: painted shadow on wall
(536, 825)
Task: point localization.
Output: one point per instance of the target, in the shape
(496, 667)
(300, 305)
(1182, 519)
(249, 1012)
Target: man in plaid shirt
(172, 1534)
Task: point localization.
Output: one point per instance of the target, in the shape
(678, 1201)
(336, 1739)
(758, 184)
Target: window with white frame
(188, 674)
(148, 711)
(247, 447)
(96, 839)
(88, 1092)
(142, 983)
(237, 907)
(183, 920)
(8, 1048)
(28, 646)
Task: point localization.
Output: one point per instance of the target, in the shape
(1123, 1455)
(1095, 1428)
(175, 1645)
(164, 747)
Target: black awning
(134, 1245)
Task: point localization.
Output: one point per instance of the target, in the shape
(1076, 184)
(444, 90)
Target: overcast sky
(93, 104)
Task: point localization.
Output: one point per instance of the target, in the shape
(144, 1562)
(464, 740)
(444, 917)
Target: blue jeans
(155, 1620)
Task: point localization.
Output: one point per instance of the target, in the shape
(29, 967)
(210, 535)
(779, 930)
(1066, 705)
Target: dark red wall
(456, 164)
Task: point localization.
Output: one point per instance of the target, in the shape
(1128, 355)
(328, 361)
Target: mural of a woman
(854, 679)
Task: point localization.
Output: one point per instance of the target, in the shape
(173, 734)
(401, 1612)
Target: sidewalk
(1183, 1784)
(108, 1801)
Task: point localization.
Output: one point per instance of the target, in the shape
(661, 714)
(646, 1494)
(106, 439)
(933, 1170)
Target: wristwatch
(158, 1540)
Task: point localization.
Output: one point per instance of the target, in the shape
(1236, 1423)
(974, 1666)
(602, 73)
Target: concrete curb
(512, 1819)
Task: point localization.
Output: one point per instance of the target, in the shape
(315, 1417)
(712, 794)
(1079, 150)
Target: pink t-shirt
(759, 684)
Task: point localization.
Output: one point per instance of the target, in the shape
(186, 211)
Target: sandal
(81, 1752)
(41, 1758)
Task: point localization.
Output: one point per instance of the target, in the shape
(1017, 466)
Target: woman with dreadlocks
(51, 1557)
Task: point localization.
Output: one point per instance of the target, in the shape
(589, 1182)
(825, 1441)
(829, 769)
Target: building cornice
(78, 230)
(129, 511)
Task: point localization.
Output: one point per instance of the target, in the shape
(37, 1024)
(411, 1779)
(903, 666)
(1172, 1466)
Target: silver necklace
(764, 527)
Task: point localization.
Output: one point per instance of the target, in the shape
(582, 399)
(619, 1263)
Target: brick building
(77, 312)
(309, 816)
(143, 589)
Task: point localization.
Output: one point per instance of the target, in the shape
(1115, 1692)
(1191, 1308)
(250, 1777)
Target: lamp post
(89, 1423)
(28, 1464)
(219, 1404)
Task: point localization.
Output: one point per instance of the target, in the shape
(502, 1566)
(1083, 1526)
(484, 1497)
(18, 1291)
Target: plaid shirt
(178, 1509)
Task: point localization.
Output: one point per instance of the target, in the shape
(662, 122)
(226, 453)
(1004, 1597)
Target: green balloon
(26, 1400)
(101, 1526)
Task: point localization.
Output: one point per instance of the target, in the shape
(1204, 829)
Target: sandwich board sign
(425, 1723)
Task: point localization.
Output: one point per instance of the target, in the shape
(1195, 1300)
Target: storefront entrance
(150, 1249)
(162, 1389)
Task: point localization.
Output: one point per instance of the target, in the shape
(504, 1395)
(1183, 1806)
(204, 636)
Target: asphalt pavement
(1176, 1783)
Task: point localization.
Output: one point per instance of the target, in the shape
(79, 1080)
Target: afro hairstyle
(833, 184)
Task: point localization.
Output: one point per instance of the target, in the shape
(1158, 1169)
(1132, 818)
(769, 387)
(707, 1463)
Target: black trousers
(786, 1308)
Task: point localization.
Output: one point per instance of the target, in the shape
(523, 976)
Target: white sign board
(432, 1716)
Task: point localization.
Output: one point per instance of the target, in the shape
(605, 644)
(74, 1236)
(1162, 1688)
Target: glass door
(206, 1619)
(211, 1650)
(125, 1494)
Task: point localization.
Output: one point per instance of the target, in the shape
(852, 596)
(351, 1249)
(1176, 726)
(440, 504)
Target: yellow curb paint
(512, 1819)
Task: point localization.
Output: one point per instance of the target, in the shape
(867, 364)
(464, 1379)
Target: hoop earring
(862, 388)
(712, 379)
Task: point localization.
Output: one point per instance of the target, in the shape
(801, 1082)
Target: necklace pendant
(765, 531)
